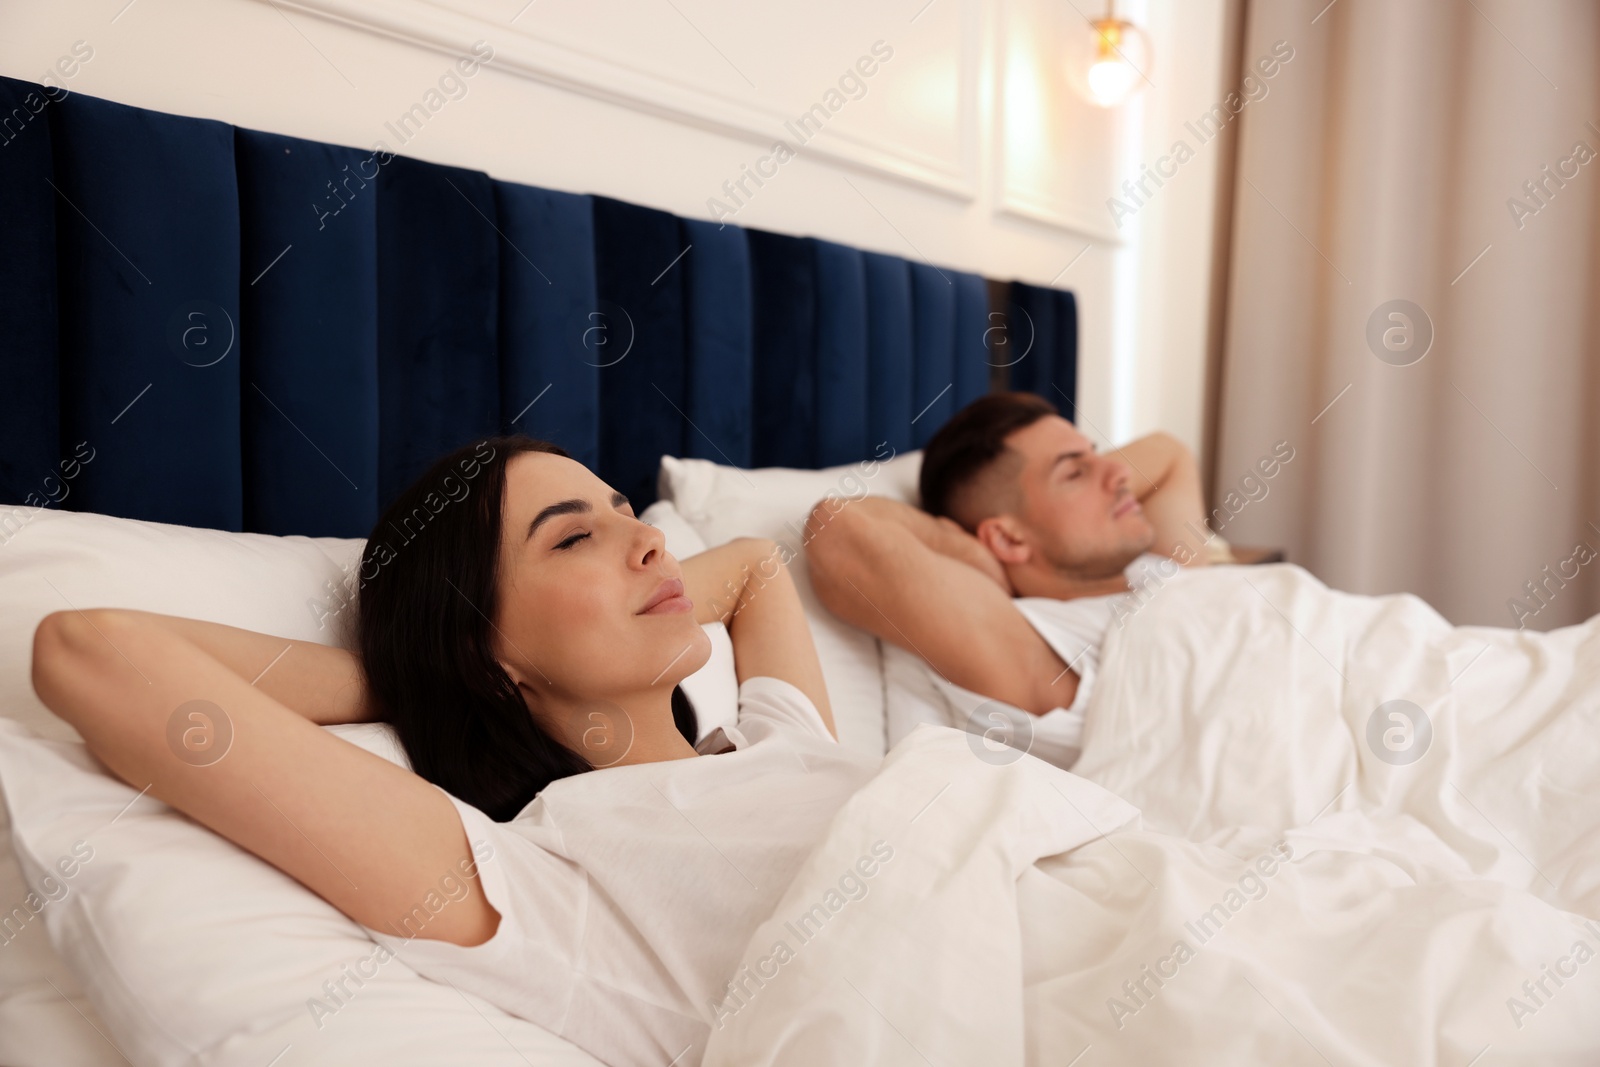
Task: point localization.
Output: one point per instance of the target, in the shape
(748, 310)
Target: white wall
(967, 147)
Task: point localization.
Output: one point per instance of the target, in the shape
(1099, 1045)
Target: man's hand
(958, 544)
(921, 584)
(939, 533)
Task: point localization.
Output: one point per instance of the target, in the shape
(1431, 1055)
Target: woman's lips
(673, 605)
(668, 599)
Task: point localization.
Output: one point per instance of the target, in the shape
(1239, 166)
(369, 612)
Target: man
(1008, 578)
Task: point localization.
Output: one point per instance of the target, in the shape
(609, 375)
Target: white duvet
(1307, 887)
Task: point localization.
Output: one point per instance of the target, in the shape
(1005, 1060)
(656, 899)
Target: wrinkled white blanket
(1292, 897)
(1257, 696)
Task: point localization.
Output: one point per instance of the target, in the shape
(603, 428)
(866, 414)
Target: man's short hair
(956, 459)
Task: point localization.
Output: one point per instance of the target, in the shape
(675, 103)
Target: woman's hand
(746, 584)
(318, 682)
(717, 579)
(716, 576)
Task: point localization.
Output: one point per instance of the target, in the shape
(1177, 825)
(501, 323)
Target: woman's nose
(651, 546)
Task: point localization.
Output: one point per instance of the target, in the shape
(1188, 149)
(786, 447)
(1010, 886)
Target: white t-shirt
(1076, 629)
(628, 894)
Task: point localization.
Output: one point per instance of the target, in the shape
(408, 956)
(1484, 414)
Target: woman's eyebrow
(574, 506)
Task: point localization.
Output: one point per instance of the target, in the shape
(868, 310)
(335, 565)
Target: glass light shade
(1109, 62)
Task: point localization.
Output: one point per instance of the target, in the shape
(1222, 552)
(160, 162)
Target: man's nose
(1117, 474)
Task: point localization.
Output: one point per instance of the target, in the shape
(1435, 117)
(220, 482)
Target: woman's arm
(746, 585)
(366, 835)
(318, 682)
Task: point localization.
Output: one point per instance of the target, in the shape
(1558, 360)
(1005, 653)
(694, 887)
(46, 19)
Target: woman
(526, 642)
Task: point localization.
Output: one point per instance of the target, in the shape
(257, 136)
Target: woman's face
(576, 573)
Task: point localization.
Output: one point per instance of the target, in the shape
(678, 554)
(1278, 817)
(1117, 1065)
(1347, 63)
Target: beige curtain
(1444, 153)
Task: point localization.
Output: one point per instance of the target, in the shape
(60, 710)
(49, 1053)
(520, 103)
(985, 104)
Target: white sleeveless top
(1075, 629)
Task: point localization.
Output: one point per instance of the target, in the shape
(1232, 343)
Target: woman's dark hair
(428, 592)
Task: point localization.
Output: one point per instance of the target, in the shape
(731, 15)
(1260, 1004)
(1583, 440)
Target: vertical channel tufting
(972, 358)
(147, 221)
(720, 327)
(639, 343)
(31, 447)
(253, 331)
(309, 335)
(933, 310)
(841, 355)
(1032, 326)
(783, 283)
(549, 378)
(889, 340)
(1065, 392)
(438, 297)
(1042, 329)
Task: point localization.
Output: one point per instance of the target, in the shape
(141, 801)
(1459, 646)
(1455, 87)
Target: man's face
(1077, 505)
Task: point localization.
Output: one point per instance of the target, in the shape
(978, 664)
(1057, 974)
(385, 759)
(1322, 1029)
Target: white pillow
(722, 503)
(911, 697)
(296, 587)
(45, 1020)
(193, 951)
(52, 560)
(188, 948)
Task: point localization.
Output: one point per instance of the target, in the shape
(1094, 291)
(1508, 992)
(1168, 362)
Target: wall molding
(1071, 214)
(526, 54)
(1021, 205)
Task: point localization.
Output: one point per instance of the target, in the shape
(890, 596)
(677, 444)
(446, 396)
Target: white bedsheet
(1291, 896)
(1244, 696)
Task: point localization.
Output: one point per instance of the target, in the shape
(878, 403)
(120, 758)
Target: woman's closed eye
(574, 539)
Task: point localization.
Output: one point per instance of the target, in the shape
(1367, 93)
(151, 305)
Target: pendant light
(1110, 59)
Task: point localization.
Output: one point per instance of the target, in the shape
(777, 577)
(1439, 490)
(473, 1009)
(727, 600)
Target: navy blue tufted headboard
(255, 332)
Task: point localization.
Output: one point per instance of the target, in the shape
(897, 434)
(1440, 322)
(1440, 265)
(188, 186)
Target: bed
(215, 380)
(228, 349)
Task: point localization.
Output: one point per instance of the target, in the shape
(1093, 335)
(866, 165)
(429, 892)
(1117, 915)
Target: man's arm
(1166, 480)
(899, 573)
